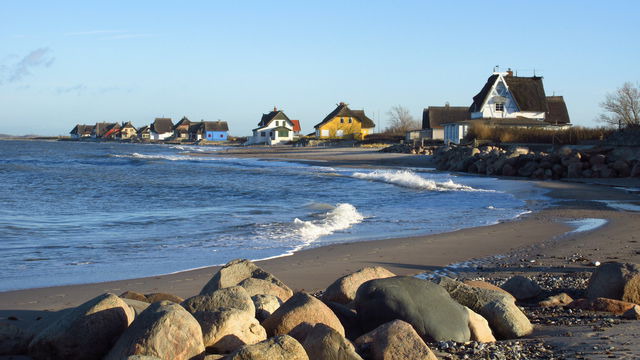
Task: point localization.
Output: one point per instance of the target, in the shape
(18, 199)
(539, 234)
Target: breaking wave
(410, 180)
(342, 217)
(136, 155)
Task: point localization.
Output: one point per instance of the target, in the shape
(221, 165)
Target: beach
(580, 218)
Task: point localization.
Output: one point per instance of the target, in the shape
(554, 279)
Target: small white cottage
(273, 128)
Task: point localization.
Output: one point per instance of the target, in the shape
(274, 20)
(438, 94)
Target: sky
(69, 62)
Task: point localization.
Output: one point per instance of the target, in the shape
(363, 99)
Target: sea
(83, 212)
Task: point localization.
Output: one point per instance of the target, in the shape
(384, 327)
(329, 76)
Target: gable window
(349, 120)
(499, 107)
(341, 120)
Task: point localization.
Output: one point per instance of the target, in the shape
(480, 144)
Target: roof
(101, 129)
(558, 113)
(296, 125)
(434, 116)
(342, 110)
(215, 126)
(184, 121)
(143, 129)
(528, 93)
(274, 115)
(82, 129)
(128, 124)
(162, 125)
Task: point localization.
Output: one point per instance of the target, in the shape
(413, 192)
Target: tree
(622, 108)
(400, 121)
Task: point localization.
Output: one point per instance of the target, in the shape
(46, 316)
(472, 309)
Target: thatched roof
(82, 130)
(434, 116)
(342, 110)
(558, 113)
(162, 125)
(274, 115)
(128, 124)
(100, 129)
(528, 93)
(183, 122)
(215, 126)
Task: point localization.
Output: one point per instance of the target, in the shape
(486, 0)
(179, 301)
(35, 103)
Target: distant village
(505, 100)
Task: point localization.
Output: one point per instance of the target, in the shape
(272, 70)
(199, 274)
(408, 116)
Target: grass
(571, 136)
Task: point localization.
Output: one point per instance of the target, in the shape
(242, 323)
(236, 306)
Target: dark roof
(215, 126)
(274, 115)
(183, 121)
(296, 125)
(558, 113)
(128, 124)
(143, 129)
(342, 110)
(434, 116)
(82, 129)
(100, 129)
(162, 125)
(528, 93)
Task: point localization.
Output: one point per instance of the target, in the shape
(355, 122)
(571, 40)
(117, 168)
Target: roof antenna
(496, 68)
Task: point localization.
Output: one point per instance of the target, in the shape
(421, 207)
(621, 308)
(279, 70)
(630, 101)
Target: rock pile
(520, 161)
(370, 314)
(416, 149)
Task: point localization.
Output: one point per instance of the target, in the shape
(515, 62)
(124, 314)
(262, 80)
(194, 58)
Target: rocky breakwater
(566, 162)
(416, 149)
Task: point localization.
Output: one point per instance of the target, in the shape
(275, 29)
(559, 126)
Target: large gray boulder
(86, 332)
(231, 297)
(522, 288)
(614, 280)
(236, 271)
(13, 340)
(298, 315)
(226, 330)
(505, 318)
(164, 330)
(281, 347)
(325, 343)
(343, 290)
(258, 286)
(395, 340)
(423, 304)
(265, 305)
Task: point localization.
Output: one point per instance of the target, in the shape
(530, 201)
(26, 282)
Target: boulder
(298, 315)
(621, 167)
(155, 297)
(509, 170)
(522, 288)
(505, 318)
(13, 340)
(265, 305)
(258, 286)
(137, 306)
(86, 332)
(343, 290)
(487, 285)
(421, 303)
(134, 296)
(615, 280)
(234, 272)
(165, 330)
(395, 340)
(226, 329)
(561, 299)
(231, 297)
(348, 318)
(635, 170)
(479, 327)
(597, 159)
(528, 169)
(281, 347)
(617, 307)
(633, 313)
(574, 170)
(325, 343)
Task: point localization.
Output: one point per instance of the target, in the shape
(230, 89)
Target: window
(339, 133)
(349, 120)
(283, 133)
(499, 107)
(263, 134)
(341, 120)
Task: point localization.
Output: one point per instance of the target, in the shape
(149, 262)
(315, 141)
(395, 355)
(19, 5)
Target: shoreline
(315, 268)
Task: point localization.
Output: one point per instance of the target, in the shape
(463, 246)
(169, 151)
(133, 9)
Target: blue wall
(216, 136)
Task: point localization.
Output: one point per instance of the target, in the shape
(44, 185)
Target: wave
(136, 155)
(342, 217)
(409, 179)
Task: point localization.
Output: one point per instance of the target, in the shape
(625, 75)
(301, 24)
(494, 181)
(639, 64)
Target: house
(161, 129)
(209, 130)
(144, 133)
(433, 118)
(273, 128)
(127, 131)
(343, 122)
(105, 130)
(182, 129)
(81, 131)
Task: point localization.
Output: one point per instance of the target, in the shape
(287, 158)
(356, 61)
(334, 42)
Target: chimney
(341, 103)
(275, 108)
(509, 72)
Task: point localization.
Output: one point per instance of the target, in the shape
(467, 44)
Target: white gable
(499, 103)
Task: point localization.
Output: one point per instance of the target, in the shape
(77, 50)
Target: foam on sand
(409, 179)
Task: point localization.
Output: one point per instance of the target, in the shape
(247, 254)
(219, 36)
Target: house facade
(273, 128)
(127, 131)
(161, 129)
(343, 123)
(434, 118)
(144, 133)
(182, 128)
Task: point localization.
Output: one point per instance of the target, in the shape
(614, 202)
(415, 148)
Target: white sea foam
(342, 217)
(410, 180)
(136, 155)
(587, 224)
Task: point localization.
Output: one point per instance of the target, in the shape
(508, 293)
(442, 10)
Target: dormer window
(499, 107)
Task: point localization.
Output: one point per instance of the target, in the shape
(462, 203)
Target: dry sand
(542, 235)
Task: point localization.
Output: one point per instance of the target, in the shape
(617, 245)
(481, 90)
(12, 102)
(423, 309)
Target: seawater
(80, 212)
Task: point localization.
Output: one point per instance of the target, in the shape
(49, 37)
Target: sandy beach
(544, 241)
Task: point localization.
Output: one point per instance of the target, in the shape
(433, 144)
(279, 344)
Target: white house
(161, 128)
(273, 128)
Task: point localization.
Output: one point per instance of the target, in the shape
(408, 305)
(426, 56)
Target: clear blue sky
(68, 62)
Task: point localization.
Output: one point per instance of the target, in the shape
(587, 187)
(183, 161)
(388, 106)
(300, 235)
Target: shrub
(569, 136)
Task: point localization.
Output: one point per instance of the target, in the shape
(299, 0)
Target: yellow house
(344, 123)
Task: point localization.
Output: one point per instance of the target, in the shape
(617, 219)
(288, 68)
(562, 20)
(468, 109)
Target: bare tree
(622, 108)
(400, 121)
